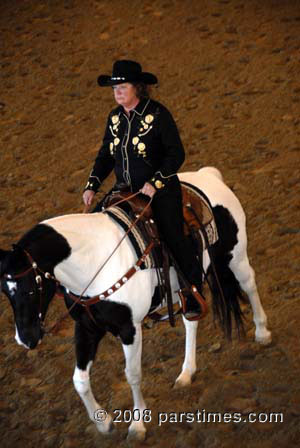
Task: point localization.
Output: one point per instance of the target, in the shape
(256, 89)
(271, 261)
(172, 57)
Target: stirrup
(187, 291)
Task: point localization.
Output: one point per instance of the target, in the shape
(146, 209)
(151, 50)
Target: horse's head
(29, 293)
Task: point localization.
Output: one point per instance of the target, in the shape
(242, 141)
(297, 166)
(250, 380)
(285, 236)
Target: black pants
(168, 214)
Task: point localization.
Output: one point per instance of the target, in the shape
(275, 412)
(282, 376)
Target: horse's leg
(133, 371)
(87, 340)
(189, 364)
(246, 278)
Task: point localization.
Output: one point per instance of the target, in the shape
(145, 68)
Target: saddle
(197, 211)
(199, 225)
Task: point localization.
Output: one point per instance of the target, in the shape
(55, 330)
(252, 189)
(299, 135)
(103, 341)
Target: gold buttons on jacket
(158, 184)
(149, 118)
(142, 149)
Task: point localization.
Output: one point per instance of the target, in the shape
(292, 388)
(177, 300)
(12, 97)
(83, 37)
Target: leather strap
(182, 294)
(116, 286)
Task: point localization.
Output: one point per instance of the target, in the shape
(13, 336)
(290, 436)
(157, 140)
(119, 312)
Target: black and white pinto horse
(72, 248)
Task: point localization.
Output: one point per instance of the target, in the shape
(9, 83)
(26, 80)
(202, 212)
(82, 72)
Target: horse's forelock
(12, 261)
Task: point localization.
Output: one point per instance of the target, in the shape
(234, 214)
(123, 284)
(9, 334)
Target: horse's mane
(43, 241)
(36, 233)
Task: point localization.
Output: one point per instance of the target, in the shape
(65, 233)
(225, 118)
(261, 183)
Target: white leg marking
(81, 380)
(246, 278)
(189, 364)
(18, 339)
(133, 371)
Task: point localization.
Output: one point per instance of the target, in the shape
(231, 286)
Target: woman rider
(142, 144)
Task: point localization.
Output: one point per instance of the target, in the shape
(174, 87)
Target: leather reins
(38, 272)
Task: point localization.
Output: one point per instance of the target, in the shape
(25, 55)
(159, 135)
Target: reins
(79, 299)
(122, 239)
(38, 278)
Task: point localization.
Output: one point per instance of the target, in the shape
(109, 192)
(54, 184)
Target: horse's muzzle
(30, 338)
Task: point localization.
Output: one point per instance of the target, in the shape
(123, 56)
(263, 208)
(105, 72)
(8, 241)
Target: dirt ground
(229, 72)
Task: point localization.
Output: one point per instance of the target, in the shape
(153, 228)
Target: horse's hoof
(184, 380)
(265, 338)
(179, 384)
(109, 431)
(136, 435)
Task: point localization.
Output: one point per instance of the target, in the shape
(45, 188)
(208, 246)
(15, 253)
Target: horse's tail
(226, 291)
(226, 297)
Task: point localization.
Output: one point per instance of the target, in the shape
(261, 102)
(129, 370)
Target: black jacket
(144, 147)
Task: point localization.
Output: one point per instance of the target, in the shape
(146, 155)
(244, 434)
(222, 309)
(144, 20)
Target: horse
(68, 250)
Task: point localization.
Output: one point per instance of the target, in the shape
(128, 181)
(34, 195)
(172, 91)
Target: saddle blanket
(139, 240)
(136, 237)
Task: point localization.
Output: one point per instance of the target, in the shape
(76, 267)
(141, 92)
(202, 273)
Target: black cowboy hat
(126, 71)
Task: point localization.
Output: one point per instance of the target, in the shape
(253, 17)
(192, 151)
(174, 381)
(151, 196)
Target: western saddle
(198, 222)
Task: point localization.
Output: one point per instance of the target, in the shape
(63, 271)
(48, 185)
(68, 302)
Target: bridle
(38, 276)
(81, 300)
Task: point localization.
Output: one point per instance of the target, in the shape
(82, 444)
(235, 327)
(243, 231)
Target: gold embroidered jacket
(144, 147)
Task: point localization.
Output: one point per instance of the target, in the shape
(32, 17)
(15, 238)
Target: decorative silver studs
(118, 285)
(124, 279)
(38, 279)
(102, 296)
(34, 265)
(110, 291)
